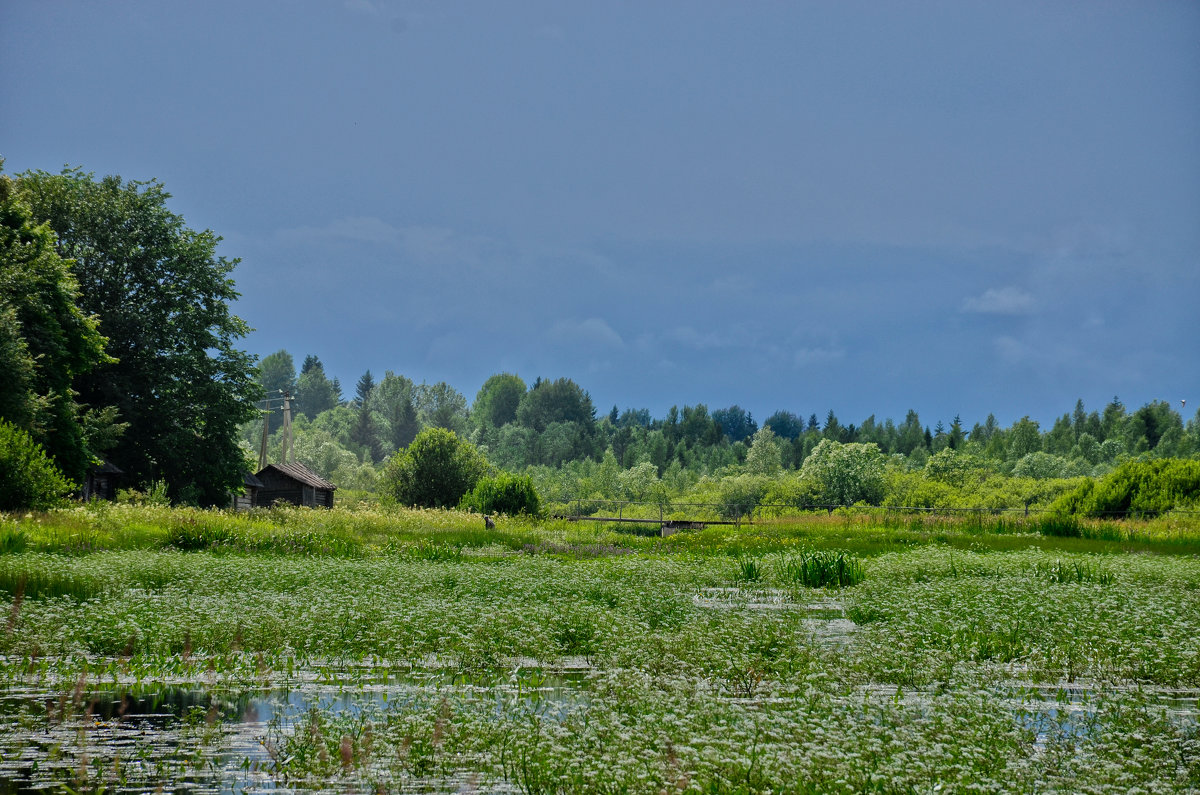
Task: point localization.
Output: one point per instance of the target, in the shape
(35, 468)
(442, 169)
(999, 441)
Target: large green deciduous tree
(497, 400)
(46, 341)
(162, 296)
(561, 400)
(847, 473)
(441, 406)
(435, 471)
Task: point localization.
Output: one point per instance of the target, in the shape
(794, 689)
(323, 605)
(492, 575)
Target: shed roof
(251, 481)
(301, 473)
(106, 468)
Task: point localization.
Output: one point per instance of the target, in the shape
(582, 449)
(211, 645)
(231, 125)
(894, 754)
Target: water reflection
(193, 739)
(185, 738)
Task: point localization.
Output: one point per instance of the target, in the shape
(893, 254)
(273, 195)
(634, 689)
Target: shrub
(435, 471)
(792, 491)
(1140, 487)
(155, 495)
(1041, 466)
(504, 493)
(29, 480)
(847, 473)
(952, 467)
(738, 496)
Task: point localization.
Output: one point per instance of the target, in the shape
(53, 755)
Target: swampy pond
(559, 660)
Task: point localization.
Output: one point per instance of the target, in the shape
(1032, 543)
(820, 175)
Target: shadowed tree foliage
(785, 425)
(162, 297)
(1023, 439)
(561, 400)
(698, 428)
(736, 423)
(46, 341)
(441, 406)
(363, 389)
(393, 403)
(277, 375)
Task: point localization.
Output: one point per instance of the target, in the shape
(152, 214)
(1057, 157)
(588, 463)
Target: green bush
(1146, 488)
(435, 471)
(29, 480)
(155, 495)
(847, 473)
(507, 494)
(738, 496)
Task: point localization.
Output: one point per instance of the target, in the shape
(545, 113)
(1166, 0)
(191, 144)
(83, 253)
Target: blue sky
(956, 207)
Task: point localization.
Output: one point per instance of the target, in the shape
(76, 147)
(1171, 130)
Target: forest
(551, 431)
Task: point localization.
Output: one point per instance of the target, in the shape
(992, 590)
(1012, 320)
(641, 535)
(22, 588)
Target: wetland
(407, 651)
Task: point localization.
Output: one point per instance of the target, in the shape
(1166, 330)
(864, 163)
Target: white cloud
(1002, 301)
(802, 357)
(701, 341)
(593, 331)
(427, 245)
(365, 229)
(364, 6)
(1010, 350)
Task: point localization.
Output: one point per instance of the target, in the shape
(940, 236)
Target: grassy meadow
(384, 650)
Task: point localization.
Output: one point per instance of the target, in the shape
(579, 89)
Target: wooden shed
(294, 483)
(247, 498)
(101, 482)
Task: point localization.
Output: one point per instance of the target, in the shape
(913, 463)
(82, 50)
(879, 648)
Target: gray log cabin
(294, 483)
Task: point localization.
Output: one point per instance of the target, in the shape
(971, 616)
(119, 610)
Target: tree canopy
(435, 471)
(161, 295)
(497, 400)
(46, 340)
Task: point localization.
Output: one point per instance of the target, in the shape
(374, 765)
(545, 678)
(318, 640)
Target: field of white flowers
(554, 661)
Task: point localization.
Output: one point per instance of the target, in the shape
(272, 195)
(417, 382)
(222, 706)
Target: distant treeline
(552, 429)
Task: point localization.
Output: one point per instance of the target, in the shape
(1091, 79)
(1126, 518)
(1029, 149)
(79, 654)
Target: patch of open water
(200, 740)
(197, 740)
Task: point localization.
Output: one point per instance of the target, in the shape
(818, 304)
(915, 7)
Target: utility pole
(288, 454)
(266, 417)
(262, 452)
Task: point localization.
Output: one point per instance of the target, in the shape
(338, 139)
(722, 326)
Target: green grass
(821, 569)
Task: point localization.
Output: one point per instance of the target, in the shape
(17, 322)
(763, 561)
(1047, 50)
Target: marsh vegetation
(416, 650)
